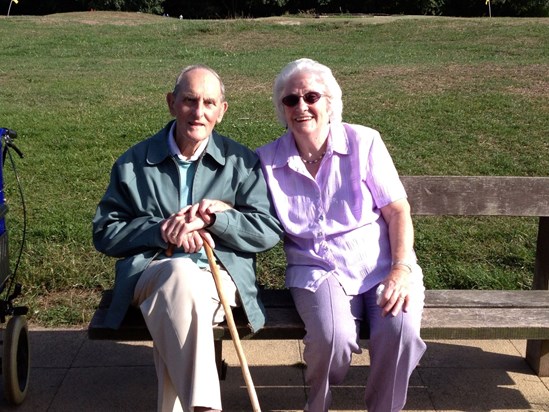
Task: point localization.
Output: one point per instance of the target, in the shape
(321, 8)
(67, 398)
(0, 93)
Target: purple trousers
(332, 324)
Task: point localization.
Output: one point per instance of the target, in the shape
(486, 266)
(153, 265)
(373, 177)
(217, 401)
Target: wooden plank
(487, 299)
(478, 195)
(282, 323)
(438, 323)
(448, 314)
(281, 298)
(471, 323)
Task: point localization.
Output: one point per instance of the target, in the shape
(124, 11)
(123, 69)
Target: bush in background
(142, 6)
(500, 8)
(216, 9)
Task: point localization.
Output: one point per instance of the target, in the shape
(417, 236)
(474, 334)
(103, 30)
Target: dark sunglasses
(293, 99)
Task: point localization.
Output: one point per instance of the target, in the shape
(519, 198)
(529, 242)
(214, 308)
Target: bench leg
(537, 356)
(221, 364)
(537, 351)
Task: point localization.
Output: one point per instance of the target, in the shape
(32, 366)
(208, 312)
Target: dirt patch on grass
(350, 19)
(240, 84)
(102, 18)
(528, 81)
(71, 307)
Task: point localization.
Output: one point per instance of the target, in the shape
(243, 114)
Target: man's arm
(119, 229)
(251, 224)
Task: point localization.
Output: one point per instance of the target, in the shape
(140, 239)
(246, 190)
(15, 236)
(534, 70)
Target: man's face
(197, 107)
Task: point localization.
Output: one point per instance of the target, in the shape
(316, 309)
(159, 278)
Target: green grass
(450, 96)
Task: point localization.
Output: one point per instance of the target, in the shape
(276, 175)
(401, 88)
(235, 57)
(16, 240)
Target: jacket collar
(159, 149)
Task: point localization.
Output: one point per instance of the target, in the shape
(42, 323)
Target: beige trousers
(180, 304)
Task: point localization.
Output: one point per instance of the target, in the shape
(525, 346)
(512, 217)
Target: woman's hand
(396, 293)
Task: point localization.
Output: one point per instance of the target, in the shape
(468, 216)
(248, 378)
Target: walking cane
(232, 328)
(230, 323)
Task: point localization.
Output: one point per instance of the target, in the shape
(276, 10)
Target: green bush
(499, 8)
(208, 9)
(142, 6)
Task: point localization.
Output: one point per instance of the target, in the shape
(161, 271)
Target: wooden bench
(448, 314)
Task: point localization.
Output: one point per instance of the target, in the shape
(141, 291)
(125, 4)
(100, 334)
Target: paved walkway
(71, 373)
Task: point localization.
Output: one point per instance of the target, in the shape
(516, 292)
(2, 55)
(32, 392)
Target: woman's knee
(328, 339)
(401, 330)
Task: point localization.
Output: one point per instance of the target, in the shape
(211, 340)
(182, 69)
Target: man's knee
(178, 279)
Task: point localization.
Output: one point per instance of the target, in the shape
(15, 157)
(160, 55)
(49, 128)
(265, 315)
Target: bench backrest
(478, 195)
(487, 196)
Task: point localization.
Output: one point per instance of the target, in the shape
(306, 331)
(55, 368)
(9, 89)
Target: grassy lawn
(449, 96)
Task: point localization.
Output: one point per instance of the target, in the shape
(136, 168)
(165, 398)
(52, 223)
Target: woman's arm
(401, 237)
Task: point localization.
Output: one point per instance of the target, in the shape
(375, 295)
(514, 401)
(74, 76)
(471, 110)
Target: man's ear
(222, 110)
(170, 99)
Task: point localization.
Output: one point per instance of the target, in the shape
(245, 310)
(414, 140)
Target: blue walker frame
(15, 353)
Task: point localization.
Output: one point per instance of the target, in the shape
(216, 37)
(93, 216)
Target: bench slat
(282, 323)
(487, 323)
(448, 314)
(487, 299)
(478, 195)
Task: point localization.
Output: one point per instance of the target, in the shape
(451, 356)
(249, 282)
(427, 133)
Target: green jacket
(144, 190)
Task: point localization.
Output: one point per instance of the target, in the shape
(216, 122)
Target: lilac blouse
(333, 223)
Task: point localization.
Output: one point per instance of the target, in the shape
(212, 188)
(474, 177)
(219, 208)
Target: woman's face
(306, 119)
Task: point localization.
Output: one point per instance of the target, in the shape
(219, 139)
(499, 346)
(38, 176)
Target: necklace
(312, 162)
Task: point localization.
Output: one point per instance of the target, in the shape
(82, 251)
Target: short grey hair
(187, 69)
(324, 75)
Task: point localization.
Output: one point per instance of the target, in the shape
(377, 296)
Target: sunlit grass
(450, 96)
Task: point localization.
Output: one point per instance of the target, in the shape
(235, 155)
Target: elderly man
(181, 187)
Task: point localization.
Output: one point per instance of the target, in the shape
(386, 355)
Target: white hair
(324, 75)
(187, 69)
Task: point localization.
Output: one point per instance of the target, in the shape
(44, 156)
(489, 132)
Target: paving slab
(71, 373)
(118, 388)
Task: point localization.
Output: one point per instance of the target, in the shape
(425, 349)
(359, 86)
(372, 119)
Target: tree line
(221, 9)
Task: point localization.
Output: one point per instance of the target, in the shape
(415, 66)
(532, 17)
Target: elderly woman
(348, 234)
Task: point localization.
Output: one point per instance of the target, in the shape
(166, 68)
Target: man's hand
(206, 210)
(186, 228)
